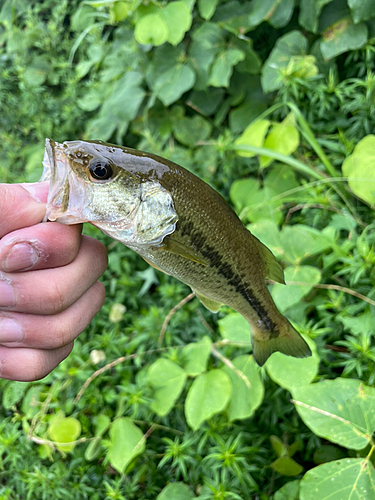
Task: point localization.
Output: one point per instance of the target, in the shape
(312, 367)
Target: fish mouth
(64, 189)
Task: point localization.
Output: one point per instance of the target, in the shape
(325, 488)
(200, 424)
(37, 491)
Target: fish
(178, 224)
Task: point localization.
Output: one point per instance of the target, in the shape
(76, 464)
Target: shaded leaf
(126, 443)
(173, 83)
(176, 491)
(222, 68)
(247, 388)
(290, 491)
(342, 36)
(286, 466)
(208, 395)
(168, 379)
(340, 410)
(361, 10)
(309, 13)
(282, 13)
(13, 393)
(287, 295)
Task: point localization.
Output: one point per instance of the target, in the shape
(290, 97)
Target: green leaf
(31, 403)
(173, 83)
(341, 36)
(253, 135)
(207, 43)
(309, 13)
(283, 138)
(282, 14)
(93, 450)
(177, 18)
(168, 379)
(151, 29)
(36, 72)
(13, 393)
(222, 68)
(359, 168)
(290, 491)
(189, 131)
(362, 10)
(208, 395)
(247, 388)
(64, 430)
(283, 369)
(340, 410)
(207, 8)
(195, 356)
(351, 478)
(287, 296)
(300, 242)
(235, 328)
(286, 466)
(291, 44)
(176, 491)
(127, 441)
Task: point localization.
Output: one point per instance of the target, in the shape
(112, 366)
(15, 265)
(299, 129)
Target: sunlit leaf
(168, 379)
(195, 356)
(235, 328)
(64, 430)
(176, 491)
(283, 138)
(253, 135)
(287, 295)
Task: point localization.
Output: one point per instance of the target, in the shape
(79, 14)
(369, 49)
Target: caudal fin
(287, 340)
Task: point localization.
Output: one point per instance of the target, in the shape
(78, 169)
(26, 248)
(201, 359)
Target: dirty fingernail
(20, 257)
(6, 294)
(10, 331)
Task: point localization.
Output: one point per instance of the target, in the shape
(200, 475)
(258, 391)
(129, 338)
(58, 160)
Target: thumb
(21, 205)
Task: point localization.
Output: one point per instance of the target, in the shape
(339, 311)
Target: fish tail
(285, 339)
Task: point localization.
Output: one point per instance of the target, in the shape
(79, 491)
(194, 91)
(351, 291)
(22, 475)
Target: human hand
(49, 291)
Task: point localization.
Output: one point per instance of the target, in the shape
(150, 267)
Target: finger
(51, 332)
(41, 246)
(21, 205)
(51, 291)
(27, 365)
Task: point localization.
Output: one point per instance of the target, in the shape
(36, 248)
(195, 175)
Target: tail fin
(287, 340)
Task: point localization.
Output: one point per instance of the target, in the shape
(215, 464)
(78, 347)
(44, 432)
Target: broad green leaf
(119, 11)
(195, 356)
(64, 430)
(91, 100)
(222, 68)
(189, 131)
(362, 10)
(340, 410)
(359, 168)
(282, 138)
(286, 466)
(289, 372)
(235, 328)
(287, 295)
(360, 324)
(32, 402)
(207, 43)
(282, 14)
(13, 393)
(268, 233)
(177, 17)
(243, 192)
(127, 441)
(253, 135)
(309, 13)
(173, 83)
(207, 8)
(168, 379)
(151, 29)
(247, 388)
(176, 491)
(236, 17)
(208, 395)
(341, 36)
(349, 479)
(299, 242)
(290, 491)
(262, 10)
(291, 44)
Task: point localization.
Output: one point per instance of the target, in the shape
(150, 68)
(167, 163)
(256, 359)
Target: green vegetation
(272, 102)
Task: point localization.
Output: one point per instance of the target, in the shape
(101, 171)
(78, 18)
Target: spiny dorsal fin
(274, 271)
(211, 305)
(174, 246)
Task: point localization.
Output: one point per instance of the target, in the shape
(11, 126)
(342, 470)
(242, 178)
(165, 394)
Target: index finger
(21, 205)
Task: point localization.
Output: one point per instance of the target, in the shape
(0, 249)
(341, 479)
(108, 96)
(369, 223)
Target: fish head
(101, 184)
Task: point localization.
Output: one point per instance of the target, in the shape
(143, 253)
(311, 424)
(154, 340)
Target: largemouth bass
(178, 224)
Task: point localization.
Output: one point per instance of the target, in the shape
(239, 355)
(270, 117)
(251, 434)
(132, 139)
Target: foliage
(271, 102)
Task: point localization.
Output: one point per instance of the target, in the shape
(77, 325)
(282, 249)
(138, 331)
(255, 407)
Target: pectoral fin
(153, 265)
(174, 246)
(211, 305)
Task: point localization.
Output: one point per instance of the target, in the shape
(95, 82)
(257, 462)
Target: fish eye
(101, 170)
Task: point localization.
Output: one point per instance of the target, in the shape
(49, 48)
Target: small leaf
(309, 13)
(176, 491)
(340, 410)
(362, 10)
(235, 328)
(290, 491)
(287, 296)
(359, 168)
(283, 369)
(127, 441)
(168, 379)
(189, 131)
(351, 478)
(253, 135)
(207, 8)
(282, 138)
(37, 71)
(173, 83)
(93, 450)
(247, 388)
(195, 356)
(64, 430)
(177, 17)
(222, 68)
(208, 395)
(31, 403)
(13, 393)
(278, 446)
(286, 466)
(342, 36)
(151, 29)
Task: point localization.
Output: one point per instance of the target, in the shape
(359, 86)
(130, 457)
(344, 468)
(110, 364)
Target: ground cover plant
(272, 103)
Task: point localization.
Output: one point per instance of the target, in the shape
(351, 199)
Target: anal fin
(211, 305)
